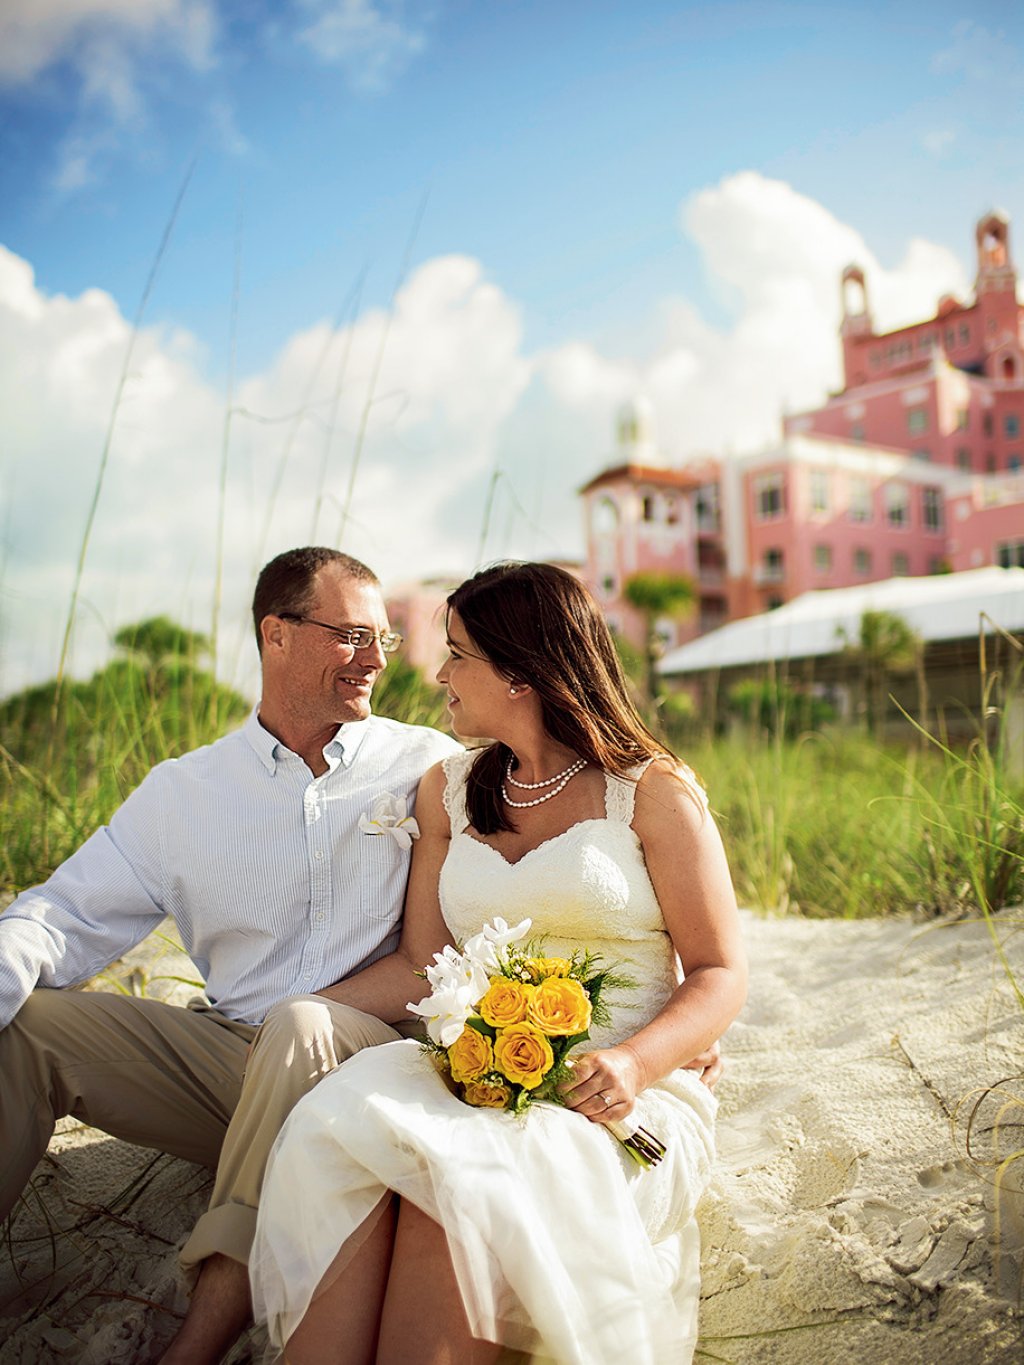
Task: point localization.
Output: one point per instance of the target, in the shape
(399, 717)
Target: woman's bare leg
(342, 1323)
(424, 1322)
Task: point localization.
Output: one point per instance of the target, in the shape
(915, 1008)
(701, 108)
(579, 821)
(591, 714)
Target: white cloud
(978, 54)
(455, 399)
(34, 34)
(775, 258)
(371, 42)
(938, 142)
(105, 43)
(452, 371)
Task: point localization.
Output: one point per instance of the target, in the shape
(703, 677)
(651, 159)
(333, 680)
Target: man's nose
(374, 655)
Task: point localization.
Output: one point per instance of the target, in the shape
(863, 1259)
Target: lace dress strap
(456, 771)
(620, 793)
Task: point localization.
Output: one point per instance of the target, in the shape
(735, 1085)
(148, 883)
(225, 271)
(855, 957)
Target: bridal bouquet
(501, 1021)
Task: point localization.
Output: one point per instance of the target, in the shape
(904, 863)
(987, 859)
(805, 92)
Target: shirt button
(320, 918)
(318, 855)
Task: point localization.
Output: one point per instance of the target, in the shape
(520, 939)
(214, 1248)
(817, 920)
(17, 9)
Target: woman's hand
(604, 1083)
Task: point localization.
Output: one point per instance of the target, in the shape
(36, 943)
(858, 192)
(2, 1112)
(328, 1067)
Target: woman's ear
(519, 689)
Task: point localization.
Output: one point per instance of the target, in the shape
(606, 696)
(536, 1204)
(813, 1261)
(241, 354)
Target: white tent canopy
(942, 607)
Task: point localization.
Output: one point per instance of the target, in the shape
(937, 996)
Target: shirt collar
(347, 741)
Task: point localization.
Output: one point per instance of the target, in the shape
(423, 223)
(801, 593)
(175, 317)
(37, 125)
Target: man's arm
(99, 903)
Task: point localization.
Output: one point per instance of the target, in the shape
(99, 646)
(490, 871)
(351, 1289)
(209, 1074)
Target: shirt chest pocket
(383, 870)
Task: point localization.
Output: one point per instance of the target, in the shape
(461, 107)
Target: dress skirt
(563, 1247)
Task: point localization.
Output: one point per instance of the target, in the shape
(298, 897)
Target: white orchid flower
(483, 948)
(389, 815)
(453, 970)
(445, 1012)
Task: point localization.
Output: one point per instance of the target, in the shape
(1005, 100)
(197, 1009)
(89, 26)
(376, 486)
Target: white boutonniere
(388, 815)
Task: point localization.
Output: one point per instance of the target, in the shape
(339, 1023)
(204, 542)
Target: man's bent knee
(323, 1030)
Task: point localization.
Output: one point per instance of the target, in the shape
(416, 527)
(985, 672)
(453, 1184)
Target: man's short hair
(285, 585)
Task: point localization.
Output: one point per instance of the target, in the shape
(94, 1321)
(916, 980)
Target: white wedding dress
(563, 1247)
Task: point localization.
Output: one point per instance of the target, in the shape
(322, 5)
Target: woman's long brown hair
(539, 625)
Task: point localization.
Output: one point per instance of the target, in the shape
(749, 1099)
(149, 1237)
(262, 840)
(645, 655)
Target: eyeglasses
(356, 637)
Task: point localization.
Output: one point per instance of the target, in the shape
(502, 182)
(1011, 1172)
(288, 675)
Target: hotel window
(897, 504)
(648, 507)
(769, 497)
(950, 338)
(1013, 464)
(986, 424)
(900, 565)
(773, 565)
(823, 559)
(924, 455)
(963, 458)
(860, 500)
(990, 463)
(862, 563)
(819, 491)
(963, 417)
(965, 335)
(917, 420)
(1010, 554)
(931, 508)
(857, 432)
(1011, 425)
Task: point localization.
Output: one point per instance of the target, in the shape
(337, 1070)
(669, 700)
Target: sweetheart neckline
(552, 839)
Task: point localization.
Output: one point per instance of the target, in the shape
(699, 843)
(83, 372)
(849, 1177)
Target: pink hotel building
(915, 467)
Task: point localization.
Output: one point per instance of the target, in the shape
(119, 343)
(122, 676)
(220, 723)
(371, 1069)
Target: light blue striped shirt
(263, 868)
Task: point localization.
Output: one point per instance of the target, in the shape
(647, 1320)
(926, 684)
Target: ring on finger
(607, 1101)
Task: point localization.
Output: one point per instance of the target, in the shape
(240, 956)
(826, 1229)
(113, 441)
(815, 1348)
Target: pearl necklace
(561, 780)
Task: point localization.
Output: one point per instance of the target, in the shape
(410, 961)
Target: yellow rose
(505, 1002)
(471, 1055)
(559, 1007)
(523, 1055)
(541, 967)
(487, 1096)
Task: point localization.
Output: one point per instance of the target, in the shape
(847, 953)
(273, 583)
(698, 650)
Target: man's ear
(272, 632)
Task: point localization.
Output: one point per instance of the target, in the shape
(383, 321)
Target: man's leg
(300, 1041)
(153, 1074)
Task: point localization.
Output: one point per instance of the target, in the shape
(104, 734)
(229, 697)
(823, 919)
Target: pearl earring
(512, 691)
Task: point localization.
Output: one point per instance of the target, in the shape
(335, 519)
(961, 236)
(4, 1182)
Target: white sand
(845, 1224)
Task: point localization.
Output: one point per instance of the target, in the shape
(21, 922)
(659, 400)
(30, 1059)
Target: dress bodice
(588, 887)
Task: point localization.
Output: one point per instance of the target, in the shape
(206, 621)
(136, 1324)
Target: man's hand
(708, 1065)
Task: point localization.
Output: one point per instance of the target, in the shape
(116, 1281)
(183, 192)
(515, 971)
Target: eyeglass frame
(389, 641)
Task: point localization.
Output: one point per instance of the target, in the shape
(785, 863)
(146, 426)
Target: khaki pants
(174, 1079)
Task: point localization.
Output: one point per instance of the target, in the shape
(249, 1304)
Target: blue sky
(609, 198)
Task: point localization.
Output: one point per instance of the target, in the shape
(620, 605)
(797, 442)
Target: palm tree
(658, 595)
(886, 647)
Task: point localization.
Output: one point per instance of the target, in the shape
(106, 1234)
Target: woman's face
(478, 696)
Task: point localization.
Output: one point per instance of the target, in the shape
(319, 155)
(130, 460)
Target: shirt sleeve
(99, 903)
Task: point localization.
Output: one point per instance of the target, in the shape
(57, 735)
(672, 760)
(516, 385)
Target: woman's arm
(386, 986)
(688, 869)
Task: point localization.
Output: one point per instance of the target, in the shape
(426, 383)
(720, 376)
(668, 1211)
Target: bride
(399, 1224)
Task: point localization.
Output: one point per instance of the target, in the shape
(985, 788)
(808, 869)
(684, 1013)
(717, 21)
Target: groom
(254, 847)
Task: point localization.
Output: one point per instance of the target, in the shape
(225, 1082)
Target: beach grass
(832, 823)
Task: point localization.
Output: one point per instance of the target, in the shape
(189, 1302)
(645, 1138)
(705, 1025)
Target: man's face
(325, 681)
